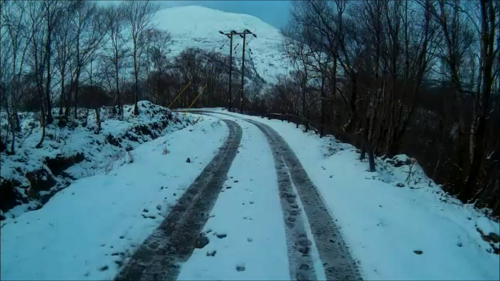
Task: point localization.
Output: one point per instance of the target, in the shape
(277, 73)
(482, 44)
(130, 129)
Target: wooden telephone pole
(243, 35)
(230, 36)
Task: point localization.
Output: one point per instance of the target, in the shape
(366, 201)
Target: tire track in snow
(335, 256)
(300, 261)
(172, 243)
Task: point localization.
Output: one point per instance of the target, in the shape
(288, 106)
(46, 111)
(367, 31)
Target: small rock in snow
(236, 181)
(158, 207)
(418, 252)
(145, 210)
(104, 268)
(121, 237)
(175, 194)
(221, 235)
(228, 187)
(249, 239)
(251, 202)
(240, 267)
(459, 244)
(399, 184)
(201, 242)
(152, 217)
(188, 160)
(211, 253)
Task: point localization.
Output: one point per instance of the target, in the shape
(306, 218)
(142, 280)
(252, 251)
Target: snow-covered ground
(247, 216)
(75, 151)
(198, 27)
(85, 230)
(411, 232)
(395, 228)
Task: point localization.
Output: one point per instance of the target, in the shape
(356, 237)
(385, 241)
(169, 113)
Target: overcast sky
(272, 12)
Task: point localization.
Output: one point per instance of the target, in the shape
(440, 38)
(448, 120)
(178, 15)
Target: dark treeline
(415, 77)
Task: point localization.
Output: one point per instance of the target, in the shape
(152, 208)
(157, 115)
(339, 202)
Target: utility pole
(230, 36)
(243, 35)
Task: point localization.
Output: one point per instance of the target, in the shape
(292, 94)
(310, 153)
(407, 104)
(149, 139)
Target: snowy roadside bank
(86, 230)
(32, 175)
(397, 229)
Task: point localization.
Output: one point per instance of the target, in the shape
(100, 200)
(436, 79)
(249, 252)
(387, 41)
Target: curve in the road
(337, 261)
(173, 242)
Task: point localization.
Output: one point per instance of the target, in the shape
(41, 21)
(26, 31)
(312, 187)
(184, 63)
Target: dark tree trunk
(48, 50)
(136, 85)
(322, 129)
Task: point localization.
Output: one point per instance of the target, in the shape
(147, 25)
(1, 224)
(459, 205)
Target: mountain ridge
(198, 27)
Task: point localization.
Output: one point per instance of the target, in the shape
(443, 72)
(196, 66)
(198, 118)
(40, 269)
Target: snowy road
(249, 199)
(173, 242)
(314, 246)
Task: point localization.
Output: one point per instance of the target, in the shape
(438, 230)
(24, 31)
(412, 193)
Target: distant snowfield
(196, 26)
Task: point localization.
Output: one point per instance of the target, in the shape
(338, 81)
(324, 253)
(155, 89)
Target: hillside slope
(198, 27)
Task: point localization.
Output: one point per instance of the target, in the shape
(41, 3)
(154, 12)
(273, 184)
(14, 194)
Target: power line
(230, 36)
(243, 35)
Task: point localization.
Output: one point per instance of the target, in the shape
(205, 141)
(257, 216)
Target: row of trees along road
(54, 51)
(58, 56)
(417, 77)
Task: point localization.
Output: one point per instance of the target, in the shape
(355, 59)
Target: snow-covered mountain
(195, 26)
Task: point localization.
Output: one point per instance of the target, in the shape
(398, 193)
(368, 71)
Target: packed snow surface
(398, 224)
(411, 232)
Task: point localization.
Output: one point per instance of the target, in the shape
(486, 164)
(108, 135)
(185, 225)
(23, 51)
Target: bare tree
(17, 44)
(139, 16)
(64, 46)
(38, 58)
(115, 20)
(90, 30)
